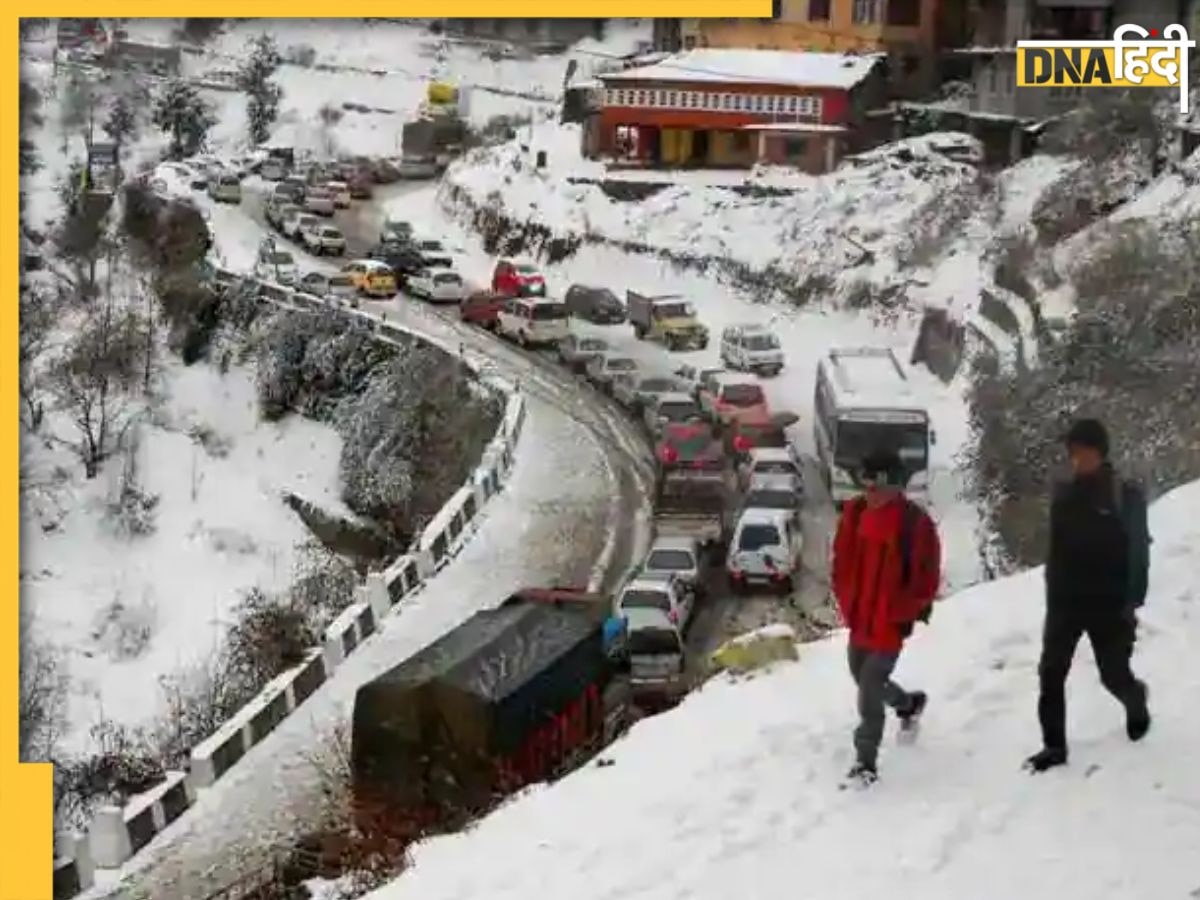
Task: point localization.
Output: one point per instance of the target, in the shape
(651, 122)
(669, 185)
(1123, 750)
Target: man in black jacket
(1096, 576)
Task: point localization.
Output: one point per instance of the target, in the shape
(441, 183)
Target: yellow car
(371, 277)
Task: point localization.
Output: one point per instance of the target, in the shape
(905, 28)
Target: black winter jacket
(1098, 557)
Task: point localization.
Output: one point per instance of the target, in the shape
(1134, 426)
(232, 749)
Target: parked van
(225, 189)
(533, 320)
(765, 550)
(752, 348)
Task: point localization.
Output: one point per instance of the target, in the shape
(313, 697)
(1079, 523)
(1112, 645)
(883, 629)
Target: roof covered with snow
(715, 65)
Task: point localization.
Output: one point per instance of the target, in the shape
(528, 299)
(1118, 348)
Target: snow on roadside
(129, 610)
(896, 197)
(740, 780)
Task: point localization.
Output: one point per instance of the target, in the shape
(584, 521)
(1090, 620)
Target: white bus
(864, 401)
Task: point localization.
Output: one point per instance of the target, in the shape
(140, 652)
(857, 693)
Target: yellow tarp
(753, 651)
(441, 94)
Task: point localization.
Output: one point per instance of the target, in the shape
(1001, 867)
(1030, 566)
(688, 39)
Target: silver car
(670, 407)
(603, 367)
(639, 391)
(677, 555)
(320, 202)
(319, 284)
(774, 492)
(693, 376)
(324, 239)
(577, 352)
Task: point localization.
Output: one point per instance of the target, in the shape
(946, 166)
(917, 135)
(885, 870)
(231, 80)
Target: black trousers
(1111, 636)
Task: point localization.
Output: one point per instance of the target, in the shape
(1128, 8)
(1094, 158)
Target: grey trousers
(872, 673)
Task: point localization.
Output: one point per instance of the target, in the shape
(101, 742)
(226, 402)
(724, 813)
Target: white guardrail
(116, 833)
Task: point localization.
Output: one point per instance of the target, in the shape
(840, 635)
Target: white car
(753, 348)
(777, 462)
(338, 284)
(436, 284)
(533, 320)
(324, 239)
(319, 201)
(278, 266)
(603, 367)
(226, 188)
(662, 591)
(678, 555)
(295, 226)
(272, 169)
(340, 191)
(766, 549)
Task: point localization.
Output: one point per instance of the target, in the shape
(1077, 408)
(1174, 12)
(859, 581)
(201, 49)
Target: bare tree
(80, 237)
(80, 108)
(329, 115)
(96, 379)
(43, 694)
(36, 323)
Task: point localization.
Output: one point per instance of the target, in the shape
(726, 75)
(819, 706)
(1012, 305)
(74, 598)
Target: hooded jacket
(867, 573)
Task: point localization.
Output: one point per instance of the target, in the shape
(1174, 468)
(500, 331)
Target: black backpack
(1129, 503)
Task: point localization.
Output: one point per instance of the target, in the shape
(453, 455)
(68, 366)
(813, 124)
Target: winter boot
(916, 705)
(861, 775)
(1047, 758)
(1137, 719)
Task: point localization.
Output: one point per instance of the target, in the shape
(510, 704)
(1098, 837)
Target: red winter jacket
(867, 573)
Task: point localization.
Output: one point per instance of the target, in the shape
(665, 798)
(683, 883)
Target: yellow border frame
(26, 820)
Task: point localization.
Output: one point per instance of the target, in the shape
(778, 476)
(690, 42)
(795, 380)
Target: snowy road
(581, 481)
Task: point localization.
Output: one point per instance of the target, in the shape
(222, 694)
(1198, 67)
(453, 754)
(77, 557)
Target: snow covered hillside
(735, 793)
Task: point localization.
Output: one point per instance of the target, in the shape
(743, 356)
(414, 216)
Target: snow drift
(735, 793)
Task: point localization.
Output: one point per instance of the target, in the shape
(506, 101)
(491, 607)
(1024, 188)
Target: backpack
(1129, 503)
(908, 527)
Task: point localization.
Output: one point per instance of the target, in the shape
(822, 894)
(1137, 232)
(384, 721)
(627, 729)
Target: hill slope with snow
(735, 792)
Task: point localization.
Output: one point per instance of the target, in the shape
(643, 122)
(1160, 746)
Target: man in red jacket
(886, 570)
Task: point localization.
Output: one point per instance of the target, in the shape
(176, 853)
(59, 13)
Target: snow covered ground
(735, 792)
(127, 610)
(550, 517)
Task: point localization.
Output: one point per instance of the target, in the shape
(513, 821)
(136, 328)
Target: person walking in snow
(886, 569)
(1097, 568)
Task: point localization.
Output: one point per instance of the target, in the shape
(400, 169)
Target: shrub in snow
(201, 31)
(171, 235)
(1128, 358)
(132, 511)
(123, 630)
(215, 445)
(42, 694)
(262, 94)
(300, 55)
(271, 635)
(126, 763)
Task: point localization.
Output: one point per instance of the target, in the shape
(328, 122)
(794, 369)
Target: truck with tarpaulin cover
(514, 695)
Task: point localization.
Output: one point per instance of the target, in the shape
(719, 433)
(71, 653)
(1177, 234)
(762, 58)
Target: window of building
(641, 98)
(818, 107)
(793, 104)
(904, 13)
(727, 101)
(672, 99)
(865, 12)
(818, 10)
(689, 42)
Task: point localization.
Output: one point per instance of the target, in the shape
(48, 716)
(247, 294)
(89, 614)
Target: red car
(481, 308)
(518, 279)
(690, 445)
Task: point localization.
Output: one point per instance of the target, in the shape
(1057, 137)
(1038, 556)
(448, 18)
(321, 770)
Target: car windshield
(680, 310)
(593, 344)
(654, 642)
(762, 342)
(856, 439)
(770, 500)
(643, 599)
(755, 537)
(431, 245)
(447, 278)
(763, 435)
(379, 273)
(549, 312)
(230, 181)
(742, 394)
(774, 467)
(526, 268)
(678, 411)
(620, 364)
(657, 385)
(330, 233)
(279, 259)
(670, 561)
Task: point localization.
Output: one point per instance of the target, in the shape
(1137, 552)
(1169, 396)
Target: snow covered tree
(80, 236)
(329, 115)
(97, 378)
(30, 118)
(121, 124)
(181, 112)
(80, 106)
(263, 94)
